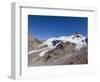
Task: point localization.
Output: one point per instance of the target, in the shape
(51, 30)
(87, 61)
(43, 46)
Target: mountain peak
(76, 38)
(58, 50)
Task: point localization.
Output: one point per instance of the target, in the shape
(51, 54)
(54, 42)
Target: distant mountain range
(33, 42)
(61, 50)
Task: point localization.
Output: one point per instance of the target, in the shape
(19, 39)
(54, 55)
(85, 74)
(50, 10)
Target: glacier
(76, 38)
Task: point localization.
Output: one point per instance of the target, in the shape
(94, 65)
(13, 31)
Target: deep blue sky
(44, 27)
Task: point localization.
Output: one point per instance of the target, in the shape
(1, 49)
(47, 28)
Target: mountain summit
(76, 38)
(60, 50)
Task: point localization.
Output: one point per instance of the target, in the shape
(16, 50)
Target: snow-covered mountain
(58, 50)
(76, 38)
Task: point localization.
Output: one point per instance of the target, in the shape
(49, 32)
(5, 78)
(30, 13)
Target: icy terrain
(51, 43)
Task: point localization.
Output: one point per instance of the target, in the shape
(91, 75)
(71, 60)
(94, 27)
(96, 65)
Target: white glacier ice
(79, 41)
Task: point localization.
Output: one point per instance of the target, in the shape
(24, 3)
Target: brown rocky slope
(63, 54)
